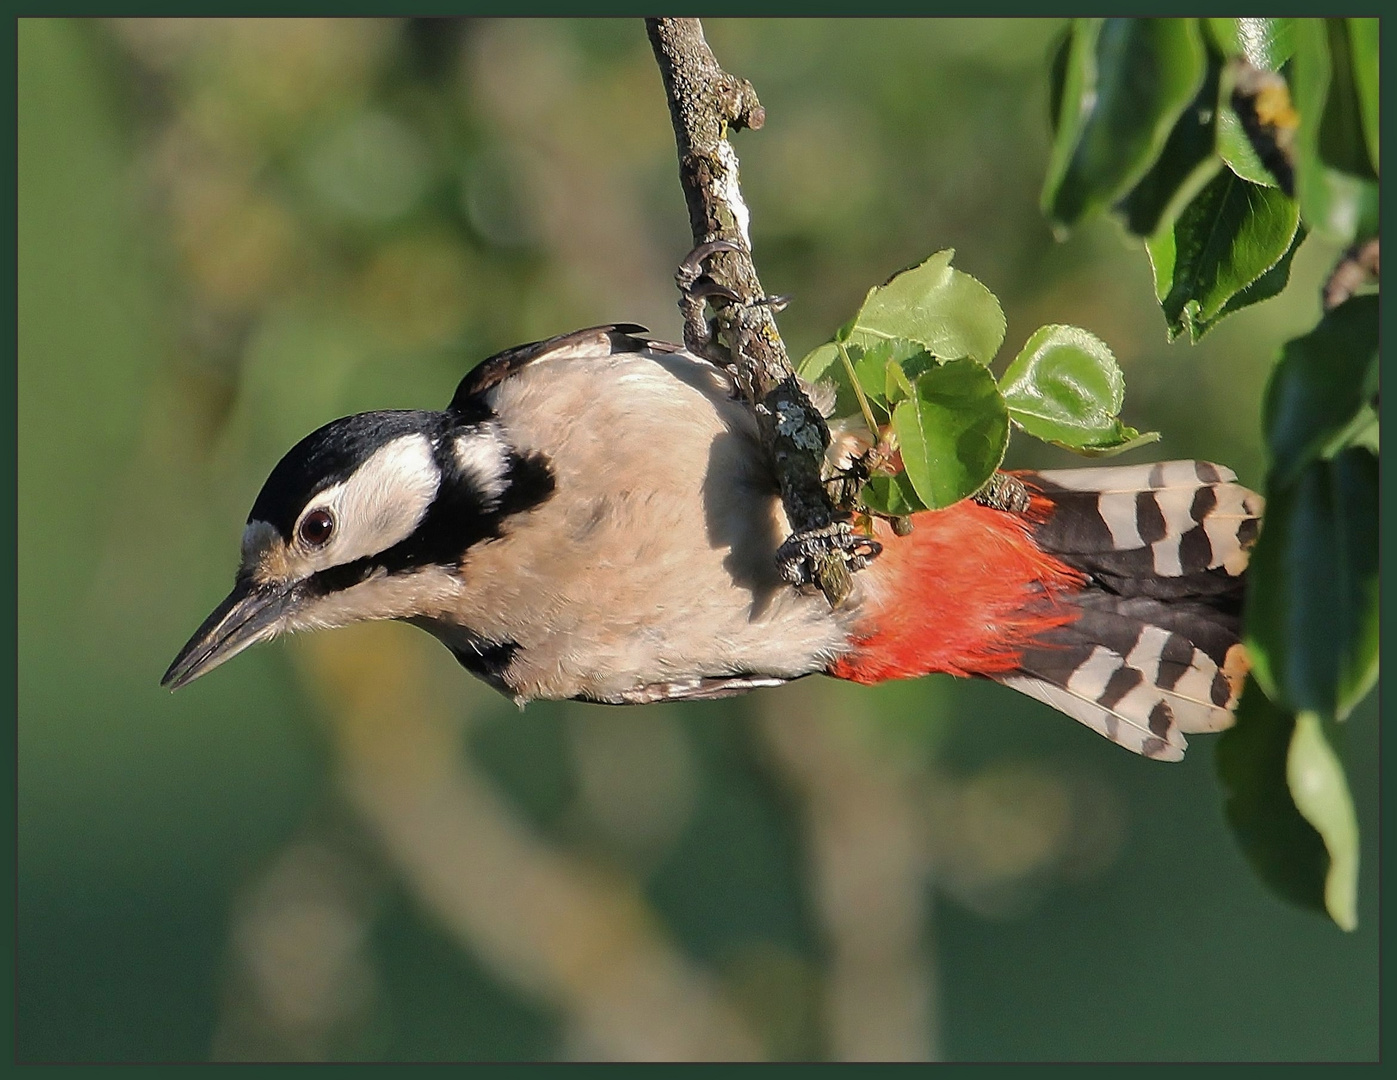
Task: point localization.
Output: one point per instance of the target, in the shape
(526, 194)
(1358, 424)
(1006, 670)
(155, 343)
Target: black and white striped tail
(1155, 653)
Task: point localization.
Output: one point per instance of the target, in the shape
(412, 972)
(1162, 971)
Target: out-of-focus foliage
(343, 847)
(1280, 142)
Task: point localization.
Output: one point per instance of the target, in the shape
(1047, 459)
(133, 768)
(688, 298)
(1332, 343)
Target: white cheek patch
(481, 456)
(381, 503)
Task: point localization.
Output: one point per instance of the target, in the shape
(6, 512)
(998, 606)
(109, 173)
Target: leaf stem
(864, 405)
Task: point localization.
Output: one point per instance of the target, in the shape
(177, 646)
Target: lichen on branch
(705, 104)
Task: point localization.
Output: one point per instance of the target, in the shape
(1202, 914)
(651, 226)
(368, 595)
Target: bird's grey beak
(244, 618)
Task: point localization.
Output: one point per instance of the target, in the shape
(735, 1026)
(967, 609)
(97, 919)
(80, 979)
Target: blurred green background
(343, 847)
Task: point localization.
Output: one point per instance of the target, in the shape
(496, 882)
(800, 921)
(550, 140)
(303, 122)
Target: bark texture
(705, 104)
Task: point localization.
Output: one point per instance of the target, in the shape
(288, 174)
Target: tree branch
(1358, 267)
(705, 102)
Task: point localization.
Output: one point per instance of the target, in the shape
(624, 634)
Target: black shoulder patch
(462, 515)
(487, 660)
(608, 340)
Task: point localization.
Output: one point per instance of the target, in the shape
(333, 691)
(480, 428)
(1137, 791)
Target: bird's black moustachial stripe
(460, 517)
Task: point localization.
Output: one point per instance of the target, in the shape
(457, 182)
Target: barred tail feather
(1154, 653)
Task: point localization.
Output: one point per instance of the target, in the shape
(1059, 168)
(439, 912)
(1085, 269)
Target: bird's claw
(705, 288)
(692, 265)
(828, 555)
(696, 288)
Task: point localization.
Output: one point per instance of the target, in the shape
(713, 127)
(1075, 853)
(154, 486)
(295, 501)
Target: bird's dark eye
(316, 527)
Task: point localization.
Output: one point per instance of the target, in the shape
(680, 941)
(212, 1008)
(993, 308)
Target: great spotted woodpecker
(593, 517)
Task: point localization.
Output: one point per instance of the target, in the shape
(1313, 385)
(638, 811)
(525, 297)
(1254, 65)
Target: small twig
(705, 103)
(1358, 266)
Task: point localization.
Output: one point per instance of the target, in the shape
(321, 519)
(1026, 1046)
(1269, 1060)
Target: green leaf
(871, 367)
(1263, 43)
(1057, 76)
(1226, 238)
(1363, 49)
(943, 309)
(1320, 385)
(1311, 613)
(822, 364)
(1362, 430)
(1320, 790)
(1280, 844)
(1126, 83)
(1237, 150)
(886, 368)
(1120, 439)
(1188, 160)
(1270, 284)
(1340, 204)
(952, 432)
(1342, 143)
(1064, 386)
(896, 382)
(891, 495)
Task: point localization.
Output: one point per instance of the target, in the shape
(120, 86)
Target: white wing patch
(481, 456)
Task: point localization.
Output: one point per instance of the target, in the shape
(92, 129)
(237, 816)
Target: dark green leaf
(1312, 599)
(1236, 149)
(1363, 431)
(1340, 204)
(1185, 164)
(1321, 793)
(1057, 77)
(1263, 43)
(891, 495)
(1064, 386)
(1322, 382)
(1363, 48)
(1283, 848)
(952, 432)
(1226, 238)
(1126, 83)
(1342, 144)
(1272, 283)
(945, 310)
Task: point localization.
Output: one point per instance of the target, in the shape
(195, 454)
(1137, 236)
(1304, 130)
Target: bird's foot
(829, 555)
(1003, 492)
(697, 287)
